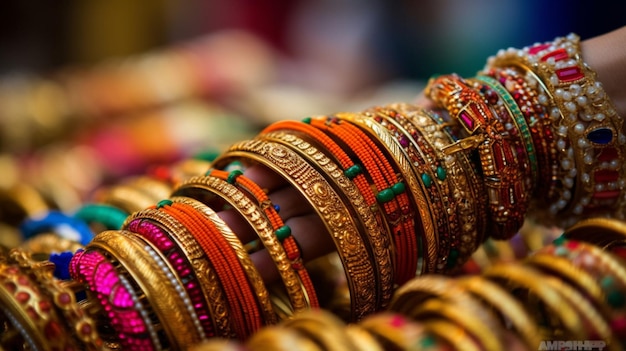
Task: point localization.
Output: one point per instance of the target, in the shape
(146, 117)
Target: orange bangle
(232, 275)
(393, 198)
(283, 233)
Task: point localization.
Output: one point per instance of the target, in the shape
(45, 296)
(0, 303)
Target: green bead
(232, 176)
(353, 171)
(441, 173)
(385, 195)
(427, 341)
(306, 120)
(616, 299)
(559, 241)
(283, 232)
(165, 202)
(453, 257)
(427, 180)
(398, 188)
(607, 282)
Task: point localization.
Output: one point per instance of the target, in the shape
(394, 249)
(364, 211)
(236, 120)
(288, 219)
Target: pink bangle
(120, 304)
(156, 235)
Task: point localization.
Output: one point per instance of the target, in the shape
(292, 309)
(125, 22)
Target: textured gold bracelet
(428, 242)
(206, 187)
(358, 264)
(377, 238)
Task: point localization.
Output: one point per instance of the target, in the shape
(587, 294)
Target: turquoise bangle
(110, 217)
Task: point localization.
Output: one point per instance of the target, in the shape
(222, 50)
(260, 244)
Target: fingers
(312, 238)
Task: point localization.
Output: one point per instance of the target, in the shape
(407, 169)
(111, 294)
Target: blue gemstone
(600, 136)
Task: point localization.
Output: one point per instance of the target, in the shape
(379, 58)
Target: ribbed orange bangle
(230, 273)
(283, 233)
(386, 182)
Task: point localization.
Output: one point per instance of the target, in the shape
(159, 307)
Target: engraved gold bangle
(80, 324)
(357, 262)
(374, 235)
(322, 327)
(427, 241)
(134, 258)
(203, 188)
(28, 315)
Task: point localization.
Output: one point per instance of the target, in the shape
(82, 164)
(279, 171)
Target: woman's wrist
(606, 56)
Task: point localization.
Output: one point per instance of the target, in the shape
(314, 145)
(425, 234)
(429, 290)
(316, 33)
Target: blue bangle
(58, 223)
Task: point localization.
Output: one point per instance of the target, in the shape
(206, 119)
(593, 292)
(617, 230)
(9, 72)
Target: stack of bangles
(203, 257)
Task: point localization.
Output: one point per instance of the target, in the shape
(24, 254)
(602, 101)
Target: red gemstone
(52, 330)
(22, 297)
(558, 55)
(498, 155)
(538, 48)
(608, 154)
(569, 74)
(606, 194)
(605, 176)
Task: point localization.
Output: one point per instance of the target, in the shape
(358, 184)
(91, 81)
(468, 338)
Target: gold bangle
(159, 290)
(393, 330)
(515, 276)
(437, 296)
(454, 335)
(362, 340)
(357, 263)
(322, 327)
(429, 240)
(505, 305)
(80, 324)
(125, 197)
(602, 232)
(279, 338)
(24, 313)
(374, 234)
(596, 325)
(203, 269)
(253, 274)
(200, 186)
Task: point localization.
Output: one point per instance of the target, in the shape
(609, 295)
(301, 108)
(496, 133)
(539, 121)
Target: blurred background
(93, 91)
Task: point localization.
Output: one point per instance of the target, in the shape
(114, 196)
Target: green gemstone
(427, 180)
(441, 173)
(353, 171)
(307, 120)
(385, 195)
(165, 202)
(398, 188)
(232, 176)
(208, 155)
(283, 232)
